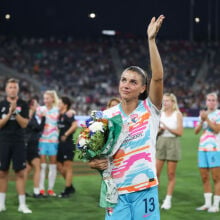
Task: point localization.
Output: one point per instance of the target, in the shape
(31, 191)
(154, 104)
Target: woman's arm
(70, 131)
(156, 84)
(198, 128)
(213, 125)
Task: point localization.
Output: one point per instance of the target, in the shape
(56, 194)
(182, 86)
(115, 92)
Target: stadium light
(197, 19)
(109, 32)
(7, 16)
(92, 15)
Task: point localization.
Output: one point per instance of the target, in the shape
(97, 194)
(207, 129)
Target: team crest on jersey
(134, 118)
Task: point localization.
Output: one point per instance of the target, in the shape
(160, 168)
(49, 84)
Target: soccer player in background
(33, 133)
(13, 120)
(209, 152)
(48, 142)
(67, 126)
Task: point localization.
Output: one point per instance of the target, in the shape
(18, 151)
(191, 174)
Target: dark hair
(31, 100)
(36, 97)
(66, 100)
(144, 77)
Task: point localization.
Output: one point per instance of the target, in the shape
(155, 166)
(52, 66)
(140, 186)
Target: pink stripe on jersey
(119, 171)
(138, 130)
(50, 131)
(207, 137)
(146, 105)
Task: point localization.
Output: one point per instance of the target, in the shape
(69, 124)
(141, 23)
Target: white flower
(96, 126)
(82, 141)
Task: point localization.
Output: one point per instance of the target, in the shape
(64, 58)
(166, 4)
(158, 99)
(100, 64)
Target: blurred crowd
(78, 68)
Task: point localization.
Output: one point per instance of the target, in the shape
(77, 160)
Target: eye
(134, 82)
(123, 79)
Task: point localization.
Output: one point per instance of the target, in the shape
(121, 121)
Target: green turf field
(83, 205)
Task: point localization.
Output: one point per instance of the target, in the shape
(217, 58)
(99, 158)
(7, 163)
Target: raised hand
(203, 115)
(154, 27)
(163, 126)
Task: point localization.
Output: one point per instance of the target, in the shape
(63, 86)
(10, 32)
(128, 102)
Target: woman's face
(48, 100)
(167, 102)
(131, 86)
(34, 104)
(211, 102)
(61, 105)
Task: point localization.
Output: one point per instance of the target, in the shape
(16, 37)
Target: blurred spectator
(72, 66)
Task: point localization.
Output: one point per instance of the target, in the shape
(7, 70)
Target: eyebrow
(131, 80)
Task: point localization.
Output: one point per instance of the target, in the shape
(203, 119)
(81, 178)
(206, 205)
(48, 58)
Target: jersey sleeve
(70, 119)
(111, 112)
(153, 109)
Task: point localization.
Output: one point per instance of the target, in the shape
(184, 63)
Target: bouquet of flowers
(93, 136)
(102, 138)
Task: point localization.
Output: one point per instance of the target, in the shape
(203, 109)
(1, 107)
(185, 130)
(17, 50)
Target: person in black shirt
(67, 125)
(33, 133)
(13, 120)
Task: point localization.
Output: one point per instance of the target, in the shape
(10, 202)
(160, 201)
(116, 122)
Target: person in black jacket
(33, 132)
(13, 121)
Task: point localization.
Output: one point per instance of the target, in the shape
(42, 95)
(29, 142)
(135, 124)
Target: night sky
(127, 17)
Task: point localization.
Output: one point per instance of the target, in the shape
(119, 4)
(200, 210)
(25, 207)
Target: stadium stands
(87, 69)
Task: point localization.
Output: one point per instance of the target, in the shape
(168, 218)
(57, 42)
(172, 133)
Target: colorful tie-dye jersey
(210, 141)
(134, 163)
(50, 133)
